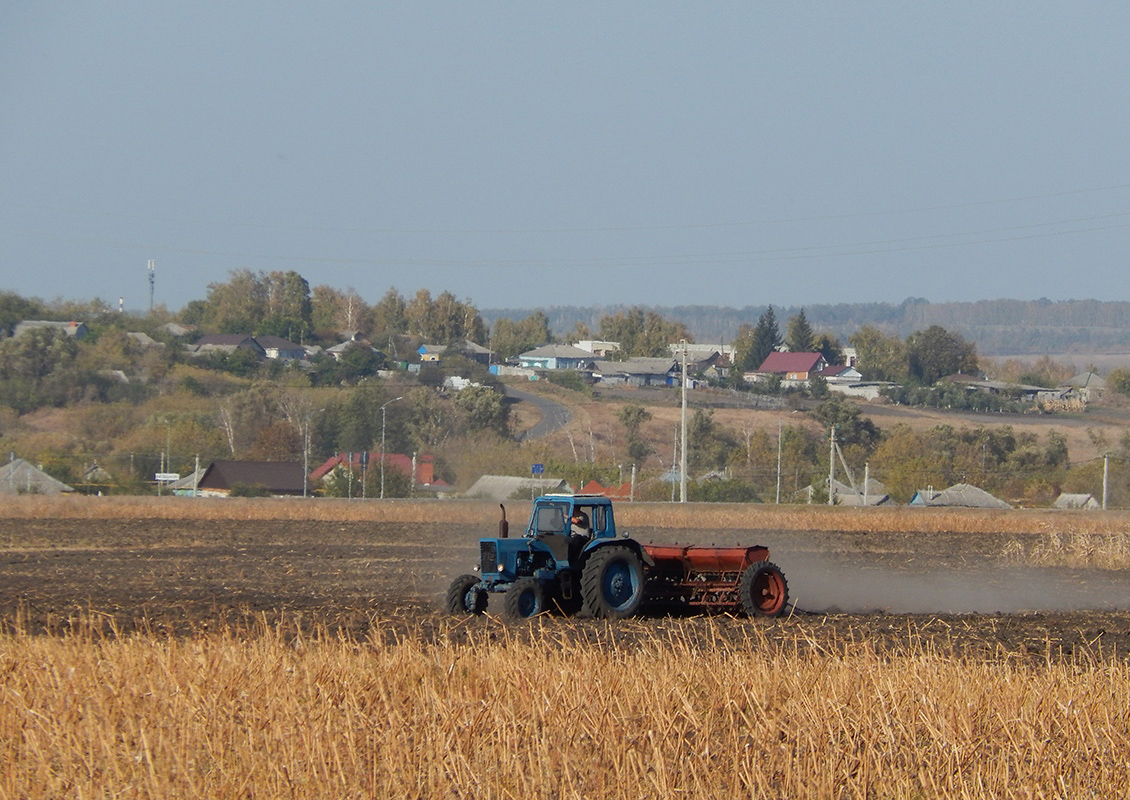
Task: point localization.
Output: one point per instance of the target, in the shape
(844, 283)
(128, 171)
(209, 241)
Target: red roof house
(793, 366)
(425, 467)
(623, 492)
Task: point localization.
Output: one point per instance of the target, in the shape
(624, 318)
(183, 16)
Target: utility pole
(683, 434)
(152, 280)
(832, 467)
(780, 436)
(1106, 478)
(383, 417)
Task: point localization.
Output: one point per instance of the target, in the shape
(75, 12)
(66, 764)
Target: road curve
(553, 414)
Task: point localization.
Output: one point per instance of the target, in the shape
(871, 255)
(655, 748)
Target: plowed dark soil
(382, 581)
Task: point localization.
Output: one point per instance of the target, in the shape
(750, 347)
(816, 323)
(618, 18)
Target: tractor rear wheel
(764, 590)
(612, 583)
(464, 596)
(524, 599)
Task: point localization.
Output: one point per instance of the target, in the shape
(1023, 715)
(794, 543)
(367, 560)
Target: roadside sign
(537, 469)
(168, 477)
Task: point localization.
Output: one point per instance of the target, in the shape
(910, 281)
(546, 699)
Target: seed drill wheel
(464, 598)
(764, 590)
(524, 599)
(612, 583)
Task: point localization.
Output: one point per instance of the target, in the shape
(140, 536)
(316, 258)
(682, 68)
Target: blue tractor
(569, 558)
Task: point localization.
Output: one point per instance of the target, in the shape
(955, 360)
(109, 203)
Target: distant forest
(999, 327)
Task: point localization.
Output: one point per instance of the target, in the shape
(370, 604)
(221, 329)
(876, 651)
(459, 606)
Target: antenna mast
(152, 280)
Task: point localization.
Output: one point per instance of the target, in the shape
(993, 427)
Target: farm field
(265, 648)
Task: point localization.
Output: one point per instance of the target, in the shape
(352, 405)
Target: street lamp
(384, 415)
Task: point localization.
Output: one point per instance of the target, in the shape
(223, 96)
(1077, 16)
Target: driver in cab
(580, 531)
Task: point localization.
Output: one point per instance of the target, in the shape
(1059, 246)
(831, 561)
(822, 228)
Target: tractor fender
(632, 544)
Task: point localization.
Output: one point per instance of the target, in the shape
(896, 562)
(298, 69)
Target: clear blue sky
(531, 154)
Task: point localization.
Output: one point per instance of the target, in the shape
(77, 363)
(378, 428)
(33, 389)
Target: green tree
(829, 346)
(510, 338)
(1119, 380)
(237, 306)
(762, 340)
(935, 353)
(444, 320)
(333, 311)
(288, 310)
(632, 416)
(799, 337)
(15, 309)
(709, 445)
(388, 317)
(484, 409)
(850, 424)
(642, 333)
(881, 357)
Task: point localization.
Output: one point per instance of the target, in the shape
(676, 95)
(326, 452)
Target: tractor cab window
(598, 514)
(549, 519)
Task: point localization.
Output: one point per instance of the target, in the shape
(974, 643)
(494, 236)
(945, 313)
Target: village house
(421, 468)
(276, 347)
(637, 372)
(556, 356)
(226, 344)
(794, 369)
(278, 478)
(433, 353)
(597, 348)
(77, 330)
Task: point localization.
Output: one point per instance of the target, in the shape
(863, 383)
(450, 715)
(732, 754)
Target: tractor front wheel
(612, 583)
(524, 599)
(464, 596)
(764, 590)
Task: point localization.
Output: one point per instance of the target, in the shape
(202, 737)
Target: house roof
(278, 477)
(877, 494)
(348, 343)
(622, 492)
(1086, 380)
(276, 343)
(425, 466)
(503, 487)
(22, 477)
(637, 366)
(227, 340)
(189, 481)
(790, 362)
(836, 370)
(1066, 500)
(557, 351)
(960, 494)
(71, 328)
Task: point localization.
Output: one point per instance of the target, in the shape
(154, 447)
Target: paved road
(553, 414)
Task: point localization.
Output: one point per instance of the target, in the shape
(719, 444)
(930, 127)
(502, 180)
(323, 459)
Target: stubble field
(282, 649)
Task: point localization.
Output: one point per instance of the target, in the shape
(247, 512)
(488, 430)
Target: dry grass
(1086, 550)
(692, 516)
(490, 712)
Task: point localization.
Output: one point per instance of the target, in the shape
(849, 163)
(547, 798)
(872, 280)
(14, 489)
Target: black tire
(524, 599)
(764, 590)
(464, 598)
(612, 583)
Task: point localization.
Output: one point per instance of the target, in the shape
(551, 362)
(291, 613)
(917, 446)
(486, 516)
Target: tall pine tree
(799, 338)
(766, 338)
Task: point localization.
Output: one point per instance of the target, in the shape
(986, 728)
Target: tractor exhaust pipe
(503, 525)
